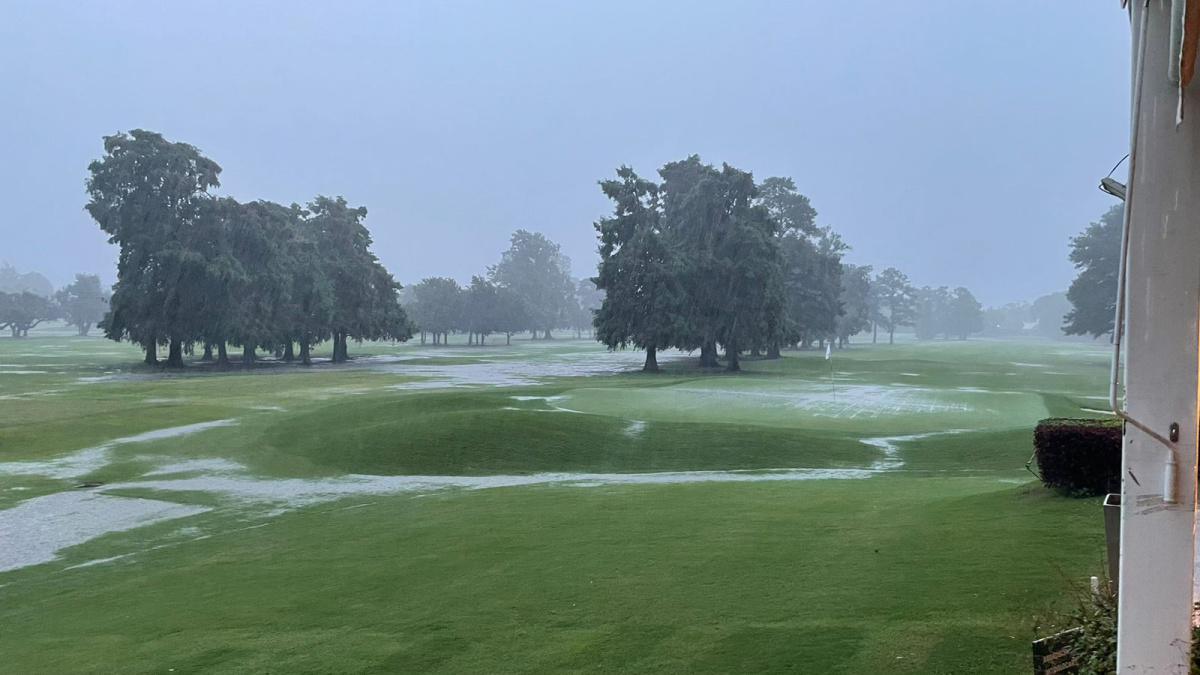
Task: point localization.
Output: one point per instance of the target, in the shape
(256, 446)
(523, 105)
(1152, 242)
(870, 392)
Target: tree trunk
(289, 352)
(222, 354)
(151, 351)
(548, 335)
(773, 350)
(508, 338)
(340, 352)
(84, 328)
(754, 351)
(207, 352)
(874, 332)
(482, 339)
(175, 354)
(305, 355)
(891, 335)
(651, 365)
(731, 353)
(247, 355)
(422, 337)
(708, 355)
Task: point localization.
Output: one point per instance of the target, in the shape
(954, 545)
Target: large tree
(693, 215)
(791, 210)
(964, 314)
(1048, 314)
(364, 296)
(510, 313)
(438, 307)
(147, 194)
(897, 300)
(932, 315)
(19, 312)
(855, 298)
(260, 237)
(536, 270)
(588, 299)
(83, 302)
(730, 263)
(479, 305)
(813, 281)
(809, 278)
(949, 313)
(1093, 294)
(637, 272)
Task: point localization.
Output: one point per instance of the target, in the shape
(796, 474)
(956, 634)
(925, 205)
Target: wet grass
(941, 567)
(890, 575)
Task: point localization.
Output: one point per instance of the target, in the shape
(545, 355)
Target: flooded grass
(767, 512)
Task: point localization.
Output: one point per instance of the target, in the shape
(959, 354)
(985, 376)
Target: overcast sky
(960, 141)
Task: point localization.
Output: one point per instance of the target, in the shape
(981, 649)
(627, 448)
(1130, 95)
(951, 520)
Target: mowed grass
(942, 566)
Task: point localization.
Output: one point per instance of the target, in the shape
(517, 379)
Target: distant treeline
(81, 304)
(530, 289)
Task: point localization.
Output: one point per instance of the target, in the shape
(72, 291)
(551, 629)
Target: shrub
(1078, 456)
(1094, 646)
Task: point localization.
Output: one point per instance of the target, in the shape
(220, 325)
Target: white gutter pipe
(1171, 468)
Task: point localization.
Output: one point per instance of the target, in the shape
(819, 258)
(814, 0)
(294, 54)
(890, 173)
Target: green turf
(943, 565)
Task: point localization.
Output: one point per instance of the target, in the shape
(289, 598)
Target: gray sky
(959, 140)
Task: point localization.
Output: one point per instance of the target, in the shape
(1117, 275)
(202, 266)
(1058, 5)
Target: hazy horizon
(961, 144)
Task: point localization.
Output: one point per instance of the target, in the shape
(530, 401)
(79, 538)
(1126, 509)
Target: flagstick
(829, 358)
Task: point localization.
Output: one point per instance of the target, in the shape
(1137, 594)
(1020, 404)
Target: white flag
(828, 350)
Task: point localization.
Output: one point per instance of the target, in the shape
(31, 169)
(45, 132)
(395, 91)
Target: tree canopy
(706, 257)
(897, 301)
(539, 275)
(1093, 294)
(19, 312)
(12, 281)
(83, 302)
(947, 313)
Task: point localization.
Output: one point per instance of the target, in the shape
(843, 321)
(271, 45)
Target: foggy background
(959, 141)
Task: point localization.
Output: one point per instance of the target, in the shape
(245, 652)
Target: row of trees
(1043, 317)
(703, 258)
(706, 257)
(948, 313)
(530, 289)
(81, 304)
(195, 268)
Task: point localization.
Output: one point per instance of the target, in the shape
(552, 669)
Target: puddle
(890, 445)
(84, 462)
(513, 372)
(35, 530)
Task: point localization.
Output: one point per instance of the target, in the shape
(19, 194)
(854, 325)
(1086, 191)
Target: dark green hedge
(1079, 456)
